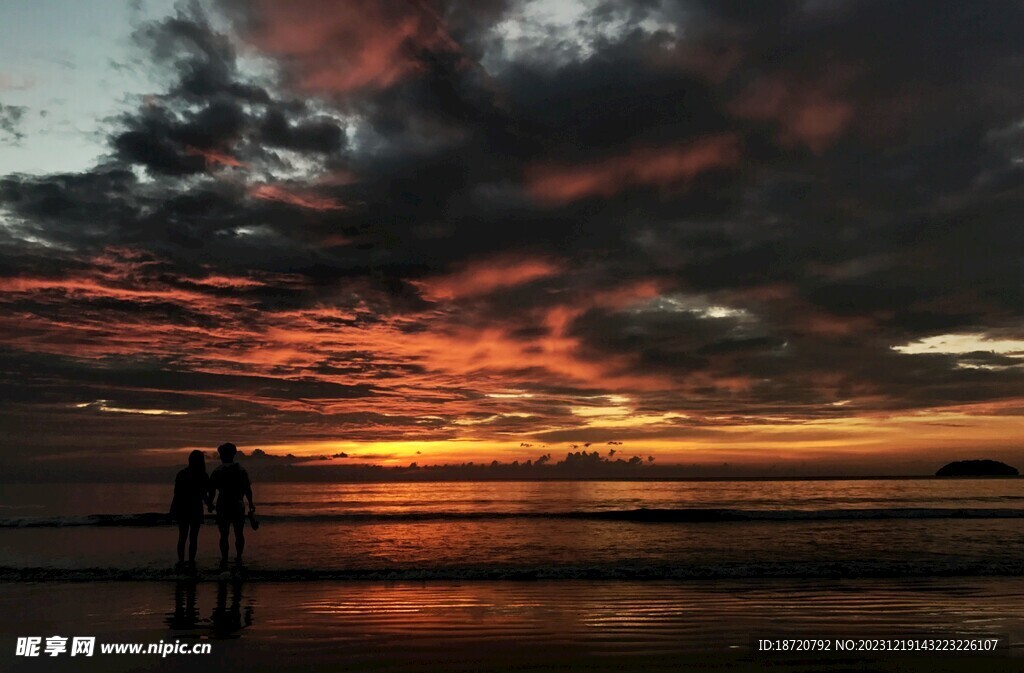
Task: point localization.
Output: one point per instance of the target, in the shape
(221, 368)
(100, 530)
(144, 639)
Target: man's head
(227, 452)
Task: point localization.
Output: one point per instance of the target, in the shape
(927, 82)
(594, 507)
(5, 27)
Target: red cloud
(486, 276)
(231, 332)
(660, 167)
(129, 275)
(295, 198)
(806, 115)
(346, 46)
(213, 157)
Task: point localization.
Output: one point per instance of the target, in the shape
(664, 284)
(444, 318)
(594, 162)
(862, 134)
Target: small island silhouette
(977, 468)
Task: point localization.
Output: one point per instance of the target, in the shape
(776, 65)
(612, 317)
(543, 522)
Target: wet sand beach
(478, 626)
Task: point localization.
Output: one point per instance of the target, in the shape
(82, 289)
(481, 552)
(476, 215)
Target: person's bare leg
(239, 538)
(182, 534)
(193, 542)
(225, 528)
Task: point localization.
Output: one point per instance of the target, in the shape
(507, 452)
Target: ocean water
(543, 530)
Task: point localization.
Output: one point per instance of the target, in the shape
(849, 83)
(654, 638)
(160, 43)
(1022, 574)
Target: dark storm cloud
(738, 212)
(164, 144)
(10, 122)
(314, 136)
(204, 59)
(213, 115)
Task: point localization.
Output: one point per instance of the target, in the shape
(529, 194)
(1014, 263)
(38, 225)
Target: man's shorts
(229, 513)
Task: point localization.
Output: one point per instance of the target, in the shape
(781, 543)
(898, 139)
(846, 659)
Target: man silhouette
(232, 482)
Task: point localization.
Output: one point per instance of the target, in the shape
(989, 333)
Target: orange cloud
(214, 158)
(126, 275)
(301, 199)
(659, 167)
(439, 380)
(230, 282)
(486, 276)
(340, 47)
(338, 178)
(806, 115)
(90, 286)
(418, 365)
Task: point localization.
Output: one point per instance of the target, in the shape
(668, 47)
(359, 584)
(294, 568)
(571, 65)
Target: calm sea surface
(628, 530)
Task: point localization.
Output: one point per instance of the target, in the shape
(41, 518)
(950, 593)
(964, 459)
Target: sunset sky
(717, 232)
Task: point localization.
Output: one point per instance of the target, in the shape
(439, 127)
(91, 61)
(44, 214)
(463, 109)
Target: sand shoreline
(543, 625)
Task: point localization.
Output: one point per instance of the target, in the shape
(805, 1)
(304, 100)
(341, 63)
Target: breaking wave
(796, 570)
(641, 515)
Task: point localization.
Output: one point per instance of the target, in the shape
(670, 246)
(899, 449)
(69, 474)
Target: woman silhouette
(191, 490)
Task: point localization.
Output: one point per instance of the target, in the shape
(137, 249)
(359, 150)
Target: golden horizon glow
(937, 435)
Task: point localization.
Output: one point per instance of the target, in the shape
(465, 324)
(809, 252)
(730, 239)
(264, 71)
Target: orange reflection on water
(653, 616)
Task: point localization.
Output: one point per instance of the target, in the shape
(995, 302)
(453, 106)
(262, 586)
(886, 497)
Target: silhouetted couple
(193, 488)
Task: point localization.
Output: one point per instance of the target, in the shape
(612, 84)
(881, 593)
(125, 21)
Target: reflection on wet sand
(651, 616)
(544, 625)
(229, 619)
(186, 614)
(226, 620)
